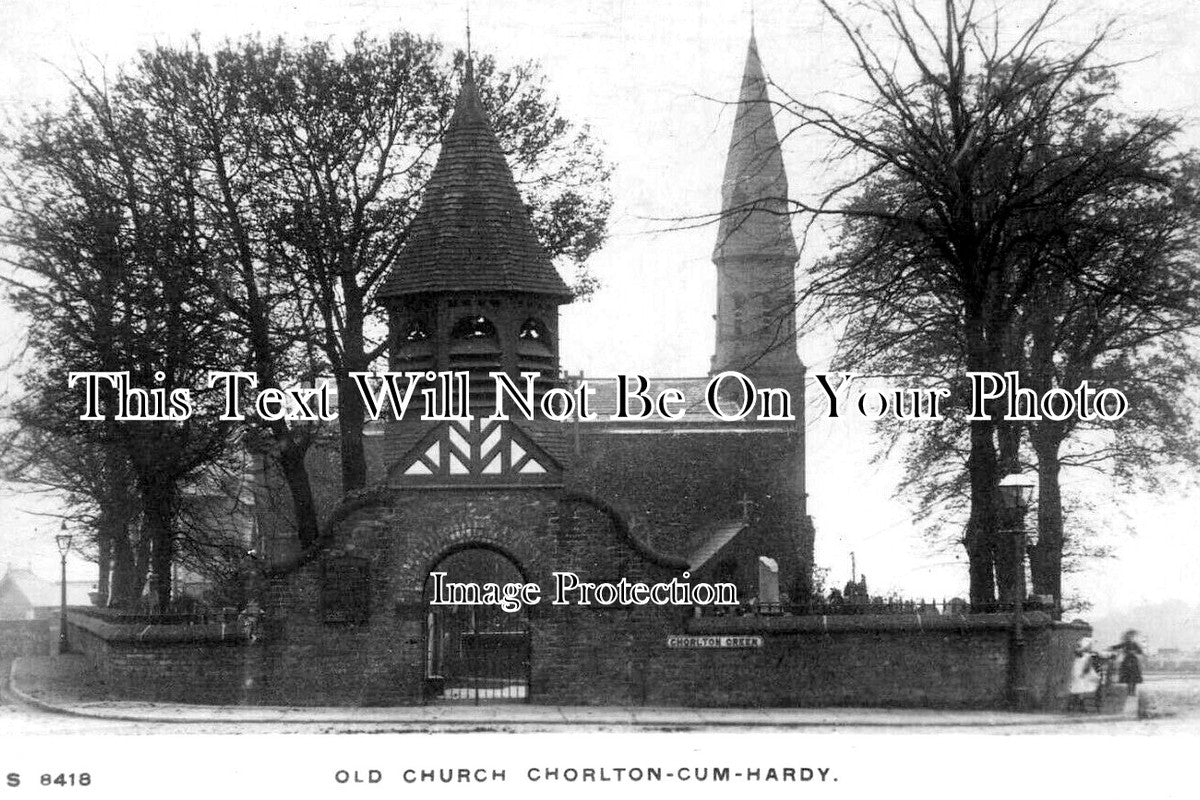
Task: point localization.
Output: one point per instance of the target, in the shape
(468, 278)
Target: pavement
(65, 685)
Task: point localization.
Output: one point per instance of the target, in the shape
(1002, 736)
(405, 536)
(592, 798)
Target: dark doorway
(476, 653)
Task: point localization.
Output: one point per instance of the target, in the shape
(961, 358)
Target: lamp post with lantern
(63, 540)
(1016, 494)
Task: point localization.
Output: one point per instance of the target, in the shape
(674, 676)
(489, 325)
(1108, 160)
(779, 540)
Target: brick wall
(179, 663)
(381, 662)
(892, 660)
(589, 654)
(670, 486)
(580, 655)
(594, 656)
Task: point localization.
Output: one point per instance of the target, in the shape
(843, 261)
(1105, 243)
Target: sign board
(715, 642)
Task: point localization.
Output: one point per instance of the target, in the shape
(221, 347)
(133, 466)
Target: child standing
(1084, 679)
(1130, 651)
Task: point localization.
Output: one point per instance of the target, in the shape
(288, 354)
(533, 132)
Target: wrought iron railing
(192, 615)
(879, 606)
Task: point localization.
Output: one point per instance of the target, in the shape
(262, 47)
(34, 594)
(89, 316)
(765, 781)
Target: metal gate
(476, 653)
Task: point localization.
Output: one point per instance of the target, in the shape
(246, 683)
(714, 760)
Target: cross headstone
(768, 586)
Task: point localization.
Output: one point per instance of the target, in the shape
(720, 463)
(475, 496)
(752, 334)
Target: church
(439, 583)
(695, 498)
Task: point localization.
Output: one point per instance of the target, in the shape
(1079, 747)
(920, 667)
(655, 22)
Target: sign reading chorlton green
(710, 642)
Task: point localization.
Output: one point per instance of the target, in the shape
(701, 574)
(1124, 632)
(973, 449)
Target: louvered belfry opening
(415, 348)
(474, 346)
(479, 334)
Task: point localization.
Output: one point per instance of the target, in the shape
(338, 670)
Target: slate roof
(472, 232)
(22, 586)
(712, 541)
(754, 211)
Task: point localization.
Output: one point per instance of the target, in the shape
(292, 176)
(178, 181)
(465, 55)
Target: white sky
(639, 73)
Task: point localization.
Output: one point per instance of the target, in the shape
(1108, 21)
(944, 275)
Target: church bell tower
(755, 252)
(474, 291)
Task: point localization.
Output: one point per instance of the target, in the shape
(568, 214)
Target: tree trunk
(351, 414)
(1009, 573)
(158, 513)
(351, 421)
(1045, 559)
(104, 546)
(980, 536)
(141, 565)
(127, 574)
(295, 474)
(1047, 436)
(983, 477)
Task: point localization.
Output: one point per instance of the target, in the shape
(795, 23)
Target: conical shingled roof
(754, 218)
(472, 232)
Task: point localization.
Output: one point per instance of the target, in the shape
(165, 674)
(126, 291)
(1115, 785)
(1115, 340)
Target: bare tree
(960, 148)
(1117, 304)
(106, 270)
(259, 193)
(90, 476)
(312, 163)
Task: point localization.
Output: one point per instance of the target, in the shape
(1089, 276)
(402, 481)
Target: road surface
(1181, 694)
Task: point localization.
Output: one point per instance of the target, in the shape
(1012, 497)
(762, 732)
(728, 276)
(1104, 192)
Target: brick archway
(474, 652)
(521, 540)
(475, 539)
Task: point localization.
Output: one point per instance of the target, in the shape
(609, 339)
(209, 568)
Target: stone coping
(141, 633)
(227, 633)
(848, 623)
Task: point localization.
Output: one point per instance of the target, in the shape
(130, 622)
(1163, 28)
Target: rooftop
(472, 232)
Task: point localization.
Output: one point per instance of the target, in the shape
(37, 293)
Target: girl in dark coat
(1131, 665)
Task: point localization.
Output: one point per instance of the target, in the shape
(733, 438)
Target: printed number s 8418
(66, 779)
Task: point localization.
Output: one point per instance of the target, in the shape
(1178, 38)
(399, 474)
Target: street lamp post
(63, 540)
(1016, 493)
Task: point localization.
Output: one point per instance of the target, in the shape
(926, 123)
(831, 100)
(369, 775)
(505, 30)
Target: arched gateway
(474, 652)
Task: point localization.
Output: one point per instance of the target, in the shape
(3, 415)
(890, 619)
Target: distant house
(24, 595)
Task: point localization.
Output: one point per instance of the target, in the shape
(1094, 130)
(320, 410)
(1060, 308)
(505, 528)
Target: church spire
(755, 251)
(755, 188)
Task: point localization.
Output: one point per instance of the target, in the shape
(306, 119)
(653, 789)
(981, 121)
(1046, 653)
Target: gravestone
(768, 586)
